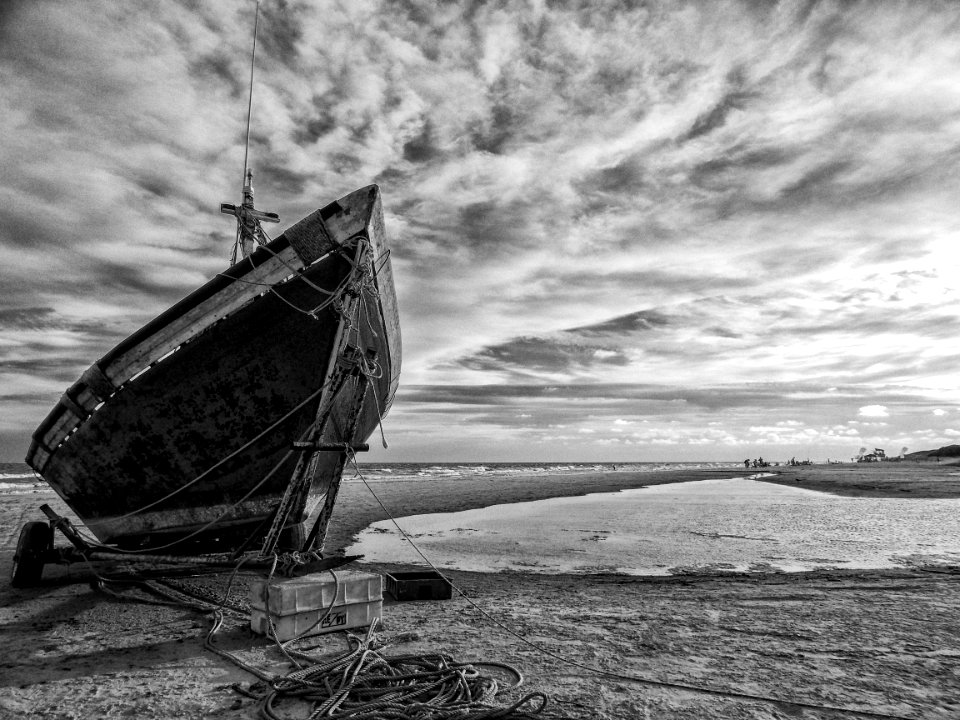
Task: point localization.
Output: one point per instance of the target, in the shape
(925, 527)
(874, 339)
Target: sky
(620, 231)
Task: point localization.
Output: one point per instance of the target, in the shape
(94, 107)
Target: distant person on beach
(746, 463)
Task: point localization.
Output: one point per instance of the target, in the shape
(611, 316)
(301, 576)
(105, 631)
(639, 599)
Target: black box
(418, 585)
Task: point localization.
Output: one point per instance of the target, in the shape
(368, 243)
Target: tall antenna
(249, 232)
(253, 59)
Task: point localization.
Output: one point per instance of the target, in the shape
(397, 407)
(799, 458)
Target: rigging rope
(253, 57)
(333, 294)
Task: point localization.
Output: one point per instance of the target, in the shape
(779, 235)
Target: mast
(250, 234)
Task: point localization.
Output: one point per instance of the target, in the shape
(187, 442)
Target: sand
(878, 641)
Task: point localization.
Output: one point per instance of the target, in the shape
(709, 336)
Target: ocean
(15, 477)
(453, 471)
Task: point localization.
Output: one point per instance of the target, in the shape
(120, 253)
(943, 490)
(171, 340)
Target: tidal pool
(736, 524)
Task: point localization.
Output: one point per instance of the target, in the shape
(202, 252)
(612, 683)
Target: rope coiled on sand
(363, 684)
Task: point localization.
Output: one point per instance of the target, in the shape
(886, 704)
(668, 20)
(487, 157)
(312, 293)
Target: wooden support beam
(338, 372)
(331, 447)
(318, 533)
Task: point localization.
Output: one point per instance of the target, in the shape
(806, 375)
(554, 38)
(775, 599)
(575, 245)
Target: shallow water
(721, 525)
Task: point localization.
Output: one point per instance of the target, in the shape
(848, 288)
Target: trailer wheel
(36, 538)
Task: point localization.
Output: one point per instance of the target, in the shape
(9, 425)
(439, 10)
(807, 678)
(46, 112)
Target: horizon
(770, 459)
(654, 234)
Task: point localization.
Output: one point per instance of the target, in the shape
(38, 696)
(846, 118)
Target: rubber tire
(36, 539)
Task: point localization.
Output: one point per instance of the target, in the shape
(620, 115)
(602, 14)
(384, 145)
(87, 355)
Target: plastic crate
(305, 624)
(418, 585)
(315, 592)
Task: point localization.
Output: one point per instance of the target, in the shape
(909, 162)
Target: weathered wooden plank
(199, 318)
(37, 456)
(167, 519)
(186, 327)
(69, 403)
(389, 314)
(350, 215)
(98, 383)
(198, 296)
(361, 213)
(74, 407)
(309, 238)
(84, 397)
(66, 421)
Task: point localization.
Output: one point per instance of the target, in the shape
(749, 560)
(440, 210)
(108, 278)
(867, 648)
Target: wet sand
(878, 641)
(889, 479)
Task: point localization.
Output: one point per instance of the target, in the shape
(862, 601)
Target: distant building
(878, 455)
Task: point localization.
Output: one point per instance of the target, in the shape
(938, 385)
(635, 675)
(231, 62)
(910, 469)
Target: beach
(690, 645)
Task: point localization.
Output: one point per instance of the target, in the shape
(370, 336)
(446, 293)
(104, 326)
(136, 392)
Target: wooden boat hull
(181, 438)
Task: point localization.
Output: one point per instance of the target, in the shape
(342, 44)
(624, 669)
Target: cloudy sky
(621, 231)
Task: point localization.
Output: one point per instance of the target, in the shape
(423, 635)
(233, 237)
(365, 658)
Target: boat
(223, 423)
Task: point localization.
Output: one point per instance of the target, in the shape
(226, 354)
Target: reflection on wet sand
(718, 525)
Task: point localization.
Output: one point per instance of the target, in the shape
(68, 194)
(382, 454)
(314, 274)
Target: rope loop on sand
(363, 684)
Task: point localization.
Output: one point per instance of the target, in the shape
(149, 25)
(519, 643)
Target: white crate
(341, 617)
(315, 592)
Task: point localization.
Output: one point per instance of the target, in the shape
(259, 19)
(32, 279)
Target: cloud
(873, 411)
(685, 216)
